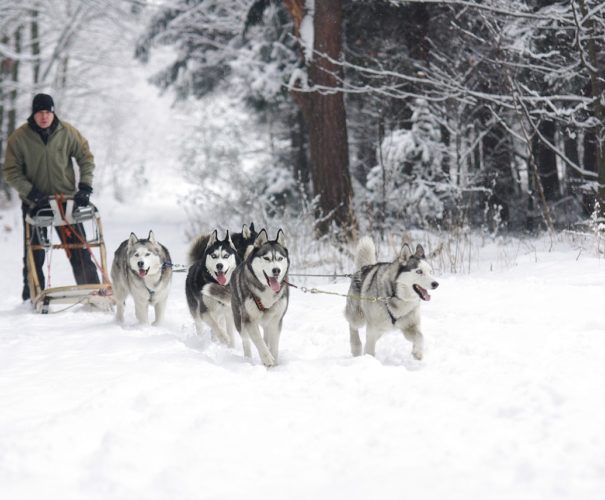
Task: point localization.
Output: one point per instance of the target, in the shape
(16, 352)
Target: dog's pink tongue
(274, 284)
(221, 278)
(142, 273)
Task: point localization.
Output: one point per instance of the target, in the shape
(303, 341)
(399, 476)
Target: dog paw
(268, 360)
(417, 355)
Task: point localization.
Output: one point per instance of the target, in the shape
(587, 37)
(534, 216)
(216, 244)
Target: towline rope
(304, 289)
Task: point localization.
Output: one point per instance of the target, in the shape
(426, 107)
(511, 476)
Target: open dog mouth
(273, 283)
(142, 272)
(422, 293)
(221, 278)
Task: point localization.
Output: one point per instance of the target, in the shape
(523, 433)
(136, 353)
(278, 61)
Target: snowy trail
(507, 403)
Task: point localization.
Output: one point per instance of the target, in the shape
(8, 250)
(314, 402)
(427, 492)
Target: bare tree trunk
(546, 161)
(3, 71)
(12, 111)
(324, 113)
(590, 62)
(35, 34)
(298, 139)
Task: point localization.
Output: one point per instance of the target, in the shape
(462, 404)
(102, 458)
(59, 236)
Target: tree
(317, 92)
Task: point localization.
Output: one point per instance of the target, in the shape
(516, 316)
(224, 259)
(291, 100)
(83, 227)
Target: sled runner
(64, 215)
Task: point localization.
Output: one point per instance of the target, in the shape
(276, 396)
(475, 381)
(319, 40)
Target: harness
(259, 304)
(165, 265)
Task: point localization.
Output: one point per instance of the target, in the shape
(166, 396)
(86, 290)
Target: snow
(506, 404)
(307, 30)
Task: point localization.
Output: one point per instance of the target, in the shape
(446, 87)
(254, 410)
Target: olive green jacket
(49, 167)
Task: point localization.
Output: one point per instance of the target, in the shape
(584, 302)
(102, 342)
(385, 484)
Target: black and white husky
(141, 268)
(401, 285)
(207, 285)
(260, 296)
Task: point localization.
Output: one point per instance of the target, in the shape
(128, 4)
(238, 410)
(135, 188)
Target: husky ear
(281, 238)
(405, 253)
(132, 240)
(228, 240)
(151, 237)
(212, 239)
(246, 233)
(261, 239)
(251, 228)
(419, 252)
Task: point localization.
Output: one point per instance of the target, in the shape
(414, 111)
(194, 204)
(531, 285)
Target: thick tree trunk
(325, 116)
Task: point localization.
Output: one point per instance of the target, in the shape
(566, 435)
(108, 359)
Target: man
(39, 163)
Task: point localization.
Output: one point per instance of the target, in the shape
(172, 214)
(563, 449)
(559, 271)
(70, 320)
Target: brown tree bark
(324, 112)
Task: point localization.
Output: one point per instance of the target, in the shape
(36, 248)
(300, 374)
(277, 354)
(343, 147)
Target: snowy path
(508, 402)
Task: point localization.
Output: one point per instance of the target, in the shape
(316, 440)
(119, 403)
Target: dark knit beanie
(43, 102)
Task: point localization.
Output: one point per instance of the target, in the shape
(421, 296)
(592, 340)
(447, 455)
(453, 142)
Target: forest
(420, 114)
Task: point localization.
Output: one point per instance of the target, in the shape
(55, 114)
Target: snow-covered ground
(507, 403)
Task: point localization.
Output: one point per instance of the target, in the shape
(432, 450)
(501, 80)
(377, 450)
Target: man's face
(44, 119)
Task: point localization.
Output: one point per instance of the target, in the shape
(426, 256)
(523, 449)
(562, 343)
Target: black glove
(37, 199)
(82, 197)
(36, 196)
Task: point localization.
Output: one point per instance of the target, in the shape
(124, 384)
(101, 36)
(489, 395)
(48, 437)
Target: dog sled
(62, 214)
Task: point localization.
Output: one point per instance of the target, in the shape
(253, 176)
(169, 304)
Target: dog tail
(366, 253)
(197, 248)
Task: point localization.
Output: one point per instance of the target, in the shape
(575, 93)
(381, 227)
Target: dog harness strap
(149, 290)
(259, 304)
(393, 318)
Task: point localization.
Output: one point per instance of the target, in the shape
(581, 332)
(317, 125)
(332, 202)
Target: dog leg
(246, 343)
(355, 341)
(218, 330)
(230, 328)
(263, 351)
(199, 326)
(272, 335)
(120, 310)
(141, 312)
(372, 337)
(414, 335)
(160, 308)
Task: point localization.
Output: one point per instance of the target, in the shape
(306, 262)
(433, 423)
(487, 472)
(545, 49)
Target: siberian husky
(244, 240)
(141, 268)
(207, 285)
(260, 296)
(403, 283)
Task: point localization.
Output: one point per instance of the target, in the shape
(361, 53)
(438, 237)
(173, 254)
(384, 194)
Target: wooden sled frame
(99, 295)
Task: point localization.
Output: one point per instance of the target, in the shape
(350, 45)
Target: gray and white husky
(141, 268)
(259, 296)
(207, 285)
(402, 283)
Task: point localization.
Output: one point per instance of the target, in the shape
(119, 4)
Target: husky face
(415, 272)
(220, 258)
(144, 255)
(269, 260)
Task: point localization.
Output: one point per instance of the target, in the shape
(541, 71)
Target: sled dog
(141, 268)
(403, 282)
(207, 285)
(244, 240)
(259, 296)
